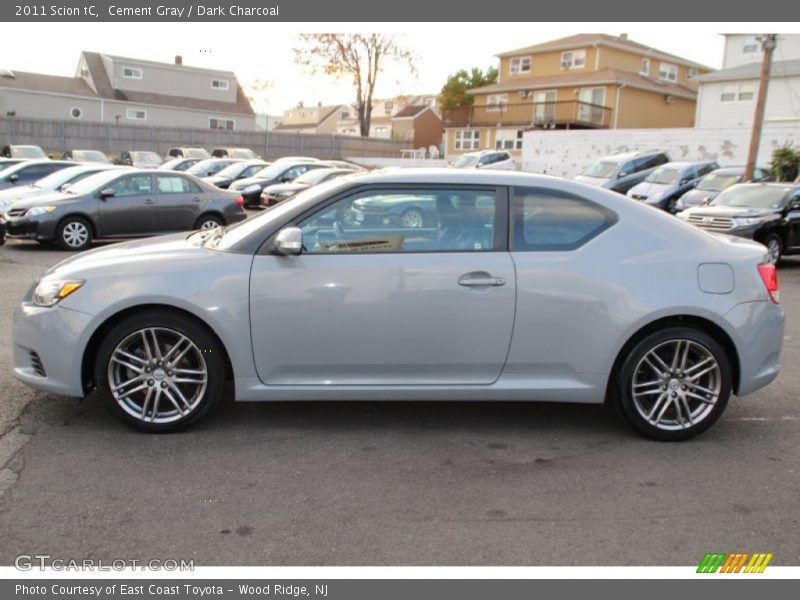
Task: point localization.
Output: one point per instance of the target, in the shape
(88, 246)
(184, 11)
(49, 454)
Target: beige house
(130, 91)
(313, 119)
(582, 81)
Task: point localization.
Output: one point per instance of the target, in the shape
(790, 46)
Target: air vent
(37, 364)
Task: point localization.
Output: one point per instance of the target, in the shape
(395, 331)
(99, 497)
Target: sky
(262, 53)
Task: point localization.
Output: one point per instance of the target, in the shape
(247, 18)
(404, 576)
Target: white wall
(567, 153)
(788, 48)
(378, 163)
(783, 104)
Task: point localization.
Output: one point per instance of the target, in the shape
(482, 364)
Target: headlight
(49, 292)
(40, 210)
(750, 220)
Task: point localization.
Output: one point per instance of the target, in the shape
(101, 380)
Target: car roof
(773, 184)
(682, 164)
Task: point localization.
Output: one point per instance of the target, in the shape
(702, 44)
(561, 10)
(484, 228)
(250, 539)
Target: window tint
(553, 220)
(628, 168)
(132, 185)
(172, 184)
(35, 172)
(404, 221)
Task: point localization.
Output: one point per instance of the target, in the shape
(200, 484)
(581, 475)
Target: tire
(774, 246)
(657, 399)
(412, 218)
(208, 221)
(159, 395)
(669, 205)
(74, 234)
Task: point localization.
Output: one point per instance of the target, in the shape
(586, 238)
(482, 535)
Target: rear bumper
(760, 328)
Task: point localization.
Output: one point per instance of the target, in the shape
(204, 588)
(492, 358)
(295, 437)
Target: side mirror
(13, 177)
(106, 193)
(64, 187)
(289, 241)
(285, 179)
(622, 174)
(795, 205)
(707, 201)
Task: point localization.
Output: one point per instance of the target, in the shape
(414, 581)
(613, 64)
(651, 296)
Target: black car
(712, 184)
(238, 170)
(210, 166)
(26, 152)
(281, 171)
(141, 159)
(279, 192)
(765, 212)
(29, 171)
(121, 203)
(178, 164)
(2, 230)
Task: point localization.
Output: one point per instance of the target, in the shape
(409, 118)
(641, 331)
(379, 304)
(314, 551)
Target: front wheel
(160, 372)
(774, 248)
(674, 384)
(74, 233)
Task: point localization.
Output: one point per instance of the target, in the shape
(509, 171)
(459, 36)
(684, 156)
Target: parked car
(665, 184)
(712, 184)
(7, 162)
(486, 159)
(297, 159)
(344, 164)
(244, 153)
(179, 164)
(281, 171)
(188, 152)
(294, 304)
(279, 192)
(17, 151)
(29, 171)
(234, 171)
(55, 182)
(95, 156)
(210, 166)
(768, 213)
(2, 230)
(621, 172)
(142, 159)
(116, 204)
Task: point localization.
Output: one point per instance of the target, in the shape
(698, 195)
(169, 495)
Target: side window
(689, 174)
(551, 220)
(628, 168)
(249, 171)
(295, 172)
(420, 220)
(706, 169)
(173, 184)
(36, 172)
(132, 185)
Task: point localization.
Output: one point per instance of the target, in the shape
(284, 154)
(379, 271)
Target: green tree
(454, 92)
(785, 164)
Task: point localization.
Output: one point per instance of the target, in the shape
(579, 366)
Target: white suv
(486, 159)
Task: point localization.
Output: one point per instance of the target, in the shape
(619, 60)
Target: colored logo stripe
(735, 562)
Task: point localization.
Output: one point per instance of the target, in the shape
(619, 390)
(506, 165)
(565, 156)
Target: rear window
(551, 220)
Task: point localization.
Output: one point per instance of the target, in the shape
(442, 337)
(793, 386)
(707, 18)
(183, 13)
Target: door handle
(480, 280)
(197, 199)
(149, 201)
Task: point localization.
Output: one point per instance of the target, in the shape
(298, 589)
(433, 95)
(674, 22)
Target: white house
(727, 98)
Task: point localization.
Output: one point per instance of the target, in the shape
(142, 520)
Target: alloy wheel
(75, 234)
(773, 251)
(157, 375)
(676, 385)
(209, 224)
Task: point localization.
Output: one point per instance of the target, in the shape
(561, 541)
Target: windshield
(664, 175)
(752, 197)
(27, 152)
(59, 178)
(233, 170)
(89, 156)
(313, 177)
(195, 153)
(273, 171)
(93, 182)
(716, 183)
(602, 168)
(207, 167)
(150, 157)
(466, 161)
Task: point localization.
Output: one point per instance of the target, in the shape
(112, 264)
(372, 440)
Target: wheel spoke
(700, 398)
(130, 356)
(146, 345)
(663, 409)
(180, 395)
(146, 403)
(122, 385)
(175, 347)
(676, 356)
(662, 366)
(133, 391)
(156, 346)
(156, 403)
(699, 374)
(656, 405)
(696, 366)
(171, 398)
(700, 388)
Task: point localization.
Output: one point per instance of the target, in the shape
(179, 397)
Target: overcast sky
(263, 51)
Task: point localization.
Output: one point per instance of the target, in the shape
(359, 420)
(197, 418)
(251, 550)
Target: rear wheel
(160, 372)
(74, 233)
(674, 384)
(208, 222)
(774, 248)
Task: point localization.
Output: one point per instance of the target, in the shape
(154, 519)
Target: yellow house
(585, 81)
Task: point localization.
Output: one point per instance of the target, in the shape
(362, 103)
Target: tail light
(240, 201)
(769, 275)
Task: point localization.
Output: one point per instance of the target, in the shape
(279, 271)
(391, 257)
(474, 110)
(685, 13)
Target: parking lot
(393, 483)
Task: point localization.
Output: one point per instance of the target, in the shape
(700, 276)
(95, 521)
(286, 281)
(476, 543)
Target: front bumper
(47, 347)
(32, 228)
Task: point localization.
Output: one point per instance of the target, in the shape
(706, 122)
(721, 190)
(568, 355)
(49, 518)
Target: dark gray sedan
(122, 204)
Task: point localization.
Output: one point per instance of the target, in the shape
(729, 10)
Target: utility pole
(768, 43)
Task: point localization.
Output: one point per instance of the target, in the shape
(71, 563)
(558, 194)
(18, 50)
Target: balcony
(561, 114)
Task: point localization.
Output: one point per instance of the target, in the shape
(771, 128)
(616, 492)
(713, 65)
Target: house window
(645, 68)
(131, 73)
(520, 64)
(222, 123)
(136, 114)
(747, 92)
(728, 93)
(574, 59)
(508, 139)
(496, 103)
(380, 131)
(468, 139)
(744, 92)
(750, 45)
(345, 115)
(219, 84)
(75, 112)
(691, 73)
(668, 72)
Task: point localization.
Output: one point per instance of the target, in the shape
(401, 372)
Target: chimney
(623, 36)
(178, 59)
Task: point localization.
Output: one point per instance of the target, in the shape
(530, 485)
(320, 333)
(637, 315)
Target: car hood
(648, 189)
(44, 199)
(598, 181)
(729, 211)
(13, 195)
(698, 196)
(285, 187)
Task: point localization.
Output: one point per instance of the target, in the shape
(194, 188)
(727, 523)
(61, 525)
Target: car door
(387, 305)
(180, 201)
(627, 177)
(130, 209)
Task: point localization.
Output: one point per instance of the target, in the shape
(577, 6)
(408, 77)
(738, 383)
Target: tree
(359, 56)
(454, 92)
(785, 164)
